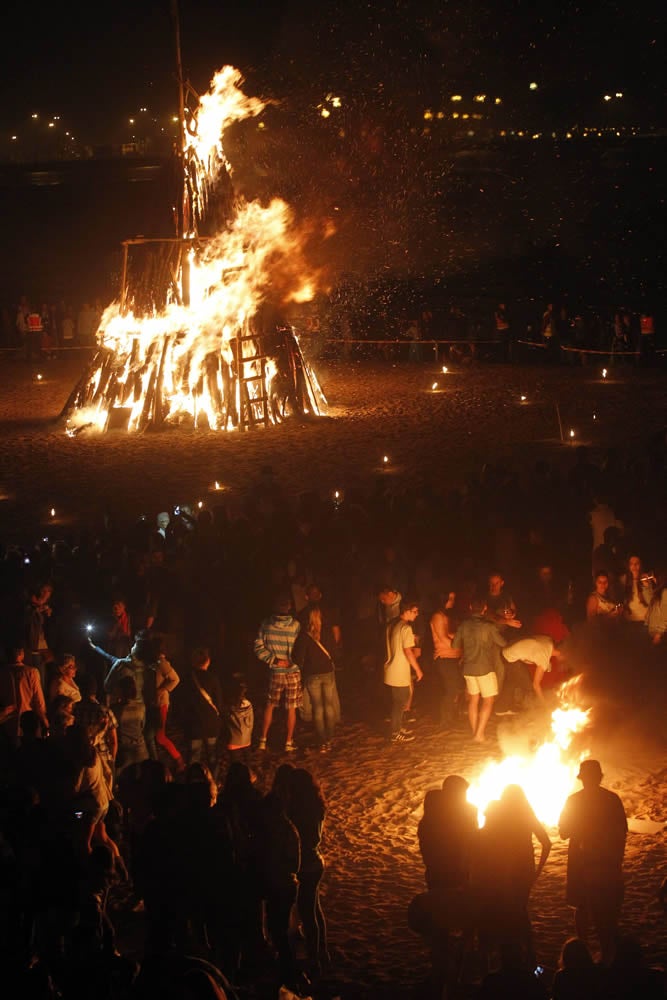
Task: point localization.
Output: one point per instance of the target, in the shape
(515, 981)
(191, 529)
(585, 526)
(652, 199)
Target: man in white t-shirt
(398, 664)
(537, 650)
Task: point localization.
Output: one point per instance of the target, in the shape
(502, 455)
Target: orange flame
(548, 775)
(192, 351)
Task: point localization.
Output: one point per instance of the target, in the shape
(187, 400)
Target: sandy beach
(374, 792)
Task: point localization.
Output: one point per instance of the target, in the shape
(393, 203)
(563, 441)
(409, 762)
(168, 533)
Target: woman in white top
(638, 591)
(63, 680)
(599, 605)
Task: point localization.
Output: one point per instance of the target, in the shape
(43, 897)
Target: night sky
(94, 69)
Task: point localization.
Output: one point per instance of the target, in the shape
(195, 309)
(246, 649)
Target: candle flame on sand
(548, 774)
(260, 256)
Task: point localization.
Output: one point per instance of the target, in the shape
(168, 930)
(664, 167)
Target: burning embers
(547, 774)
(194, 342)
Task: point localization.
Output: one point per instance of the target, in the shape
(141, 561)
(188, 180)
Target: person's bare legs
(484, 715)
(473, 711)
(537, 682)
(266, 723)
(291, 723)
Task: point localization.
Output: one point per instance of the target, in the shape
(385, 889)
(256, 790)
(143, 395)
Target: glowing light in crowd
(604, 373)
(547, 775)
(40, 377)
(571, 433)
(200, 504)
(445, 369)
(435, 385)
(198, 361)
(53, 512)
(523, 399)
(385, 459)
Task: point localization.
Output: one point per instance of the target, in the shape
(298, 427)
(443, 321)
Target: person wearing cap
(594, 822)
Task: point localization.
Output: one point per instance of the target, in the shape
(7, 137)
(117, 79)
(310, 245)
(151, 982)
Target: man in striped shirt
(273, 646)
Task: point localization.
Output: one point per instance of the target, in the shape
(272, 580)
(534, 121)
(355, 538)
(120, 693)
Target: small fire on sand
(548, 774)
(198, 341)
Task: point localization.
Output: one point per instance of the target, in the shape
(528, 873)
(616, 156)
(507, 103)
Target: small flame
(571, 433)
(434, 386)
(385, 459)
(53, 512)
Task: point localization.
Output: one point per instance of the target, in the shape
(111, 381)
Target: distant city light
(456, 97)
(14, 138)
(532, 86)
(607, 97)
(174, 118)
(497, 100)
(479, 98)
(131, 121)
(428, 115)
(52, 125)
(325, 112)
(618, 94)
(35, 116)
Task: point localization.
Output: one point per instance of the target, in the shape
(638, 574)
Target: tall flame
(547, 775)
(201, 357)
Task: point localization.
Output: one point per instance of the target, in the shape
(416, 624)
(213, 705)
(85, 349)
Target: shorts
(287, 683)
(486, 685)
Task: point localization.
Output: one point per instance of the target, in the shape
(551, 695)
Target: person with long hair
(306, 809)
(638, 591)
(317, 673)
(154, 678)
(508, 868)
(656, 614)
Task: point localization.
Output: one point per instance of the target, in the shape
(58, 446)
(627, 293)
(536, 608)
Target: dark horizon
(94, 77)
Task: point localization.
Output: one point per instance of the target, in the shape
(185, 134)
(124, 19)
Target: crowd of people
(151, 664)
(38, 330)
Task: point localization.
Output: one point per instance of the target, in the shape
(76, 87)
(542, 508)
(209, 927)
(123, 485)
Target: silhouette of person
(594, 822)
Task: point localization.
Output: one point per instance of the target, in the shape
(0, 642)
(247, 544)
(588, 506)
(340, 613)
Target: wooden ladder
(254, 410)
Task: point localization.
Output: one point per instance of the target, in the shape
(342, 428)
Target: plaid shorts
(290, 684)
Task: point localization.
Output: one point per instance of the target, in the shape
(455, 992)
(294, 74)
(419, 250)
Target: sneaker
(261, 745)
(325, 748)
(290, 747)
(402, 737)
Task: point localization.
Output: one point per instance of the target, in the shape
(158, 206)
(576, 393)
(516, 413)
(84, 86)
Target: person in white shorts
(480, 641)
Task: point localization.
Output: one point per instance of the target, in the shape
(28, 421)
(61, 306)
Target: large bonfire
(198, 341)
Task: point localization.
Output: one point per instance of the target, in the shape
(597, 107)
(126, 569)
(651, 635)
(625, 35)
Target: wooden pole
(560, 424)
(183, 220)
